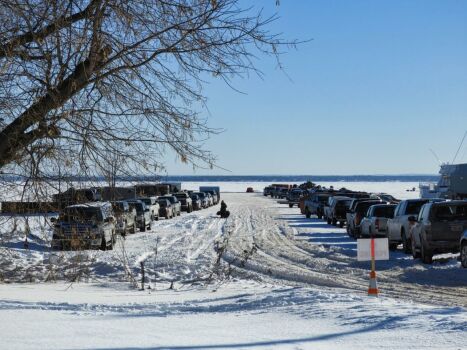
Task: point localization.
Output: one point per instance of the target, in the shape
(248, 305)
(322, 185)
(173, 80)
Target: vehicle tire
(133, 229)
(406, 243)
(328, 220)
(426, 254)
(290, 205)
(103, 244)
(393, 246)
(308, 214)
(334, 222)
(341, 224)
(464, 255)
(320, 216)
(143, 227)
(413, 249)
(179, 213)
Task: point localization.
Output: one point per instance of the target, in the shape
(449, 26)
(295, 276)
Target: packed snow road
(287, 246)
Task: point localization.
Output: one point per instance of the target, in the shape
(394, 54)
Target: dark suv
(294, 195)
(438, 229)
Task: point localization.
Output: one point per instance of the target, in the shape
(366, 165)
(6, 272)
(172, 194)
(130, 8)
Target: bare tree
(81, 79)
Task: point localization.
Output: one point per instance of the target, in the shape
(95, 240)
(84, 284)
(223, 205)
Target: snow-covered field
(265, 278)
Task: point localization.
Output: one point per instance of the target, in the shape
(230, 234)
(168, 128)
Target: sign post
(371, 250)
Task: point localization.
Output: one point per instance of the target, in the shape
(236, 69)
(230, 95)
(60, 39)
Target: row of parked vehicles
(424, 227)
(96, 225)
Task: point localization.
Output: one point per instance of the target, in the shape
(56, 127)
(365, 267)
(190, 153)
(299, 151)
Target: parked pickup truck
(316, 203)
(351, 212)
(85, 226)
(153, 205)
(196, 202)
(267, 191)
(293, 196)
(166, 209)
(438, 229)
(203, 197)
(357, 214)
(215, 192)
(125, 217)
(399, 226)
(143, 214)
(185, 201)
(374, 224)
(177, 207)
(338, 208)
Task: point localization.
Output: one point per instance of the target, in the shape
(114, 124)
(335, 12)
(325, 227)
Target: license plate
(456, 228)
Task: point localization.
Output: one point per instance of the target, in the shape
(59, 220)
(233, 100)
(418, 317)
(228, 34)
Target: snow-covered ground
(265, 278)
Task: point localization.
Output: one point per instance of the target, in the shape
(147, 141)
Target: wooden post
(142, 275)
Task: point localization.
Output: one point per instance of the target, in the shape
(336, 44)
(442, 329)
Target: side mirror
(147, 209)
(412, 219)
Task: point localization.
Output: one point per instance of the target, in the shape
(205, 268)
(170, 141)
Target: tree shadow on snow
(387, 322)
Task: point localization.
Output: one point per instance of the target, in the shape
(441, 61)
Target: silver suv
(143, 214)
(85, 226)
(176, 205)
(153, 205)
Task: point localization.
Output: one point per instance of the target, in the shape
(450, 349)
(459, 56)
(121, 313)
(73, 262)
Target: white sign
(380, 248)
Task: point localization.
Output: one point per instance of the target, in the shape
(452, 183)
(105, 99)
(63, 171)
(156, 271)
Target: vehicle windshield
(118, 206)
(138, 206)
(384, 212)
(413, 207)
(146, 201)
(171, 199)
(343, 203)
(451, 212)
(362, 207)
(323, 199)
(163, 203)
(80, 214)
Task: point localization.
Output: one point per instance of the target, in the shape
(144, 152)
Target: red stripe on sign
(372, 247)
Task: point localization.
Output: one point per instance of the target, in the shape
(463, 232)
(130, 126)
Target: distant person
(224, 213)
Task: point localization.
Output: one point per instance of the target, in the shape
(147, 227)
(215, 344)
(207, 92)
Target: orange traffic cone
(373, 288)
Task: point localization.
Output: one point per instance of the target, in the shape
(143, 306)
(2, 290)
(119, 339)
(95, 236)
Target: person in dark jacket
(224, 213)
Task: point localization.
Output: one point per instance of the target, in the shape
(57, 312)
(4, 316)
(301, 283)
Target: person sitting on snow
(224, 213)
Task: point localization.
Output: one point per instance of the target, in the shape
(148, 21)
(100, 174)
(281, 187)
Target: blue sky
(380, 84)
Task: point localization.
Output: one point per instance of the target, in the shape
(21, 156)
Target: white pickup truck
(374, 224)
(399, 226)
